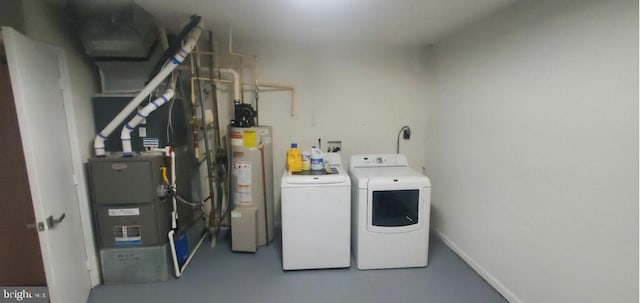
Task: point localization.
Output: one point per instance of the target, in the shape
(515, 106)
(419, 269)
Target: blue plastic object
(182, 249)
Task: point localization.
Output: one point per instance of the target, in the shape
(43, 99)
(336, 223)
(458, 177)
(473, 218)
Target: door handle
(52, 223)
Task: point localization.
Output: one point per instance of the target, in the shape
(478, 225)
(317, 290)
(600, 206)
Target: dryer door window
(396, 205)
(395, 208)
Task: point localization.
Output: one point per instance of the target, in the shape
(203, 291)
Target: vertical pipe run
(214, 97)
(264, 194)
(216, 210)
(207, 154)
(174, 213)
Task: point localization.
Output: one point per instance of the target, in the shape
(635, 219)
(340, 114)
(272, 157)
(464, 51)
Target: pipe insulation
(188, 45)
(125, 134)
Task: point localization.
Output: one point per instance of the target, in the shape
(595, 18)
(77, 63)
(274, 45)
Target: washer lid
(311, 177)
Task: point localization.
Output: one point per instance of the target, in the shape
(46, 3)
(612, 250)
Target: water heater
(251, 164)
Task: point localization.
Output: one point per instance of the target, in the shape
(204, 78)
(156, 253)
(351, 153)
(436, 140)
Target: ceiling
(399, 22)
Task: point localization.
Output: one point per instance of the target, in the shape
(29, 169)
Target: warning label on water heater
(236, 138)
(242, 174)
(250, 139)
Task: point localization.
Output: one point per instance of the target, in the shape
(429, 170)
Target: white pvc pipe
(174, 212)
(187, 46)
(172, 243)
(236, 83)
(174, 255)
(125, 134)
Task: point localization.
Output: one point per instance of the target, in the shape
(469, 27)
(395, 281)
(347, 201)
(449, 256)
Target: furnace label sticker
(127, 235)
(242, 176)
(121, 212)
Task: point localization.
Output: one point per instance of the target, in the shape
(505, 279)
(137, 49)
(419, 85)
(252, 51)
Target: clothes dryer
(390, 212)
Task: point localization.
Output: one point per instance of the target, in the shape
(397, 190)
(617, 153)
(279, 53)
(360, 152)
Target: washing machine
(316, 215)
(390, 212)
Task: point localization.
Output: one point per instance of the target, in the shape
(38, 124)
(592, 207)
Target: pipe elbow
(237, 94)
(233, 72)
(98, 145)
(190, 42)
(170, 92)
(125, 133)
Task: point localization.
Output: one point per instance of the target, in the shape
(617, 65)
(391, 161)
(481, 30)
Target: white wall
(359, 94)
(48, 22)
(533, 149)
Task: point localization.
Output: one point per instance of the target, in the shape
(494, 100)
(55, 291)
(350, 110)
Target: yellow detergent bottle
(294, 159)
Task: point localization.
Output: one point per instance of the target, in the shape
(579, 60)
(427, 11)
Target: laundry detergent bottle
(294, 159)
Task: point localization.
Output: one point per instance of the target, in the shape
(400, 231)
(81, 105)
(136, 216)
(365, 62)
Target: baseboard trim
(497, 285)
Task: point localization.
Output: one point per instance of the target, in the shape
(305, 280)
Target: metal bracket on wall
(38, 225)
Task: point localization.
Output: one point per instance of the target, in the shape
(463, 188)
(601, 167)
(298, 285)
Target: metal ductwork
(115, 29)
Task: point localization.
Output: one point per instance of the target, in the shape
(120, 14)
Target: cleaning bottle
(294, 159)
(316, 159)
(306, 160)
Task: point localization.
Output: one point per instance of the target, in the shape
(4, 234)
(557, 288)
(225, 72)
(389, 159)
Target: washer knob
(379, 160)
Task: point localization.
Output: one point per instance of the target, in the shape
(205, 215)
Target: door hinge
(75, 179)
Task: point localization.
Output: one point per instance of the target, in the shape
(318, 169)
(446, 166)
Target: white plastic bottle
(316, 159)
(306, 160)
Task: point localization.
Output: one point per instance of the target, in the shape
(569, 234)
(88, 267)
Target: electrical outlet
(406, 134)
(334, 146)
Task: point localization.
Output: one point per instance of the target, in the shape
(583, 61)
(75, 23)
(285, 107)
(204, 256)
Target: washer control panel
(379, 160)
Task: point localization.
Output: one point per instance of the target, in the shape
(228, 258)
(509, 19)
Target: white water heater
(251, 165)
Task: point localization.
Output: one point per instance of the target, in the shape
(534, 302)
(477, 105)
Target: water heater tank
(251, 166)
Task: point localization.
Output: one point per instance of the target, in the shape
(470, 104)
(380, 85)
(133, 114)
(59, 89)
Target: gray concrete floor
(218, 275)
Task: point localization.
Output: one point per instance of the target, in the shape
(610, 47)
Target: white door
(36, 80)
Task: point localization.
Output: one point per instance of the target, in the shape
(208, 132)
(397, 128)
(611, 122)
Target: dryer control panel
(379, 160)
